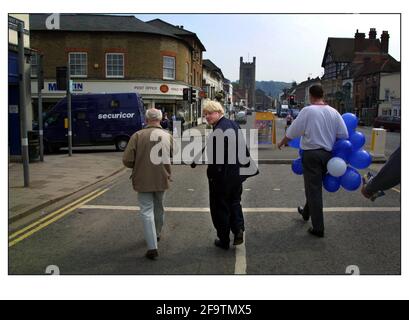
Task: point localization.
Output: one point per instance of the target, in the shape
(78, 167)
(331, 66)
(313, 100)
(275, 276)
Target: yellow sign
(266, 126)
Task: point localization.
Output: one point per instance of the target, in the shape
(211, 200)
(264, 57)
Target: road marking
(276, 189)
(56, 218)
(247, 189)
(241, 263)
(191, 190)
(397, 190)
(52, 214)
(275, 210)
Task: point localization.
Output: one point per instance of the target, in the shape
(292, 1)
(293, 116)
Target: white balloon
(336, 167)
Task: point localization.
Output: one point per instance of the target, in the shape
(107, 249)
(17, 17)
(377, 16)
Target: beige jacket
(148, 175)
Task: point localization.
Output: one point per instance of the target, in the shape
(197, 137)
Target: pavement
(60, 176)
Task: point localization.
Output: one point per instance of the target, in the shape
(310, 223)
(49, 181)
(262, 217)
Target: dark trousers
(315, 167)
(225, 207)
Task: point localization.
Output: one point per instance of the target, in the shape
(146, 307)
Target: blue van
(97, 119)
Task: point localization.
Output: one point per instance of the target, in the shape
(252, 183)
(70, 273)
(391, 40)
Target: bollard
(378, 143)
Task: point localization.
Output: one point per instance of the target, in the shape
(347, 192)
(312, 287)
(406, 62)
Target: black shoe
(319, 234)
(306, 217)
(238, 238)
(222, 245)
(152, 254)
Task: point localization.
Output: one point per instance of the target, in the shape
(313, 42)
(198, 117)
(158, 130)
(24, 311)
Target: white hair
(153, 114)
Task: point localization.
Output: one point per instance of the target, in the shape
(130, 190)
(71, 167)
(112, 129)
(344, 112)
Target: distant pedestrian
(165, 121)
(150, 179)
(289, 120)
(319, 125)
(388, 177)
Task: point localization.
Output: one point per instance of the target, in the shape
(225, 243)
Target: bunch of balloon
(348, 156)
(296, 165)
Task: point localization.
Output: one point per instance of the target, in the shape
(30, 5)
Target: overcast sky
(286, 47)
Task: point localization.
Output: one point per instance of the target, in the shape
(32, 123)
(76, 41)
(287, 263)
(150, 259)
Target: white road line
(397, 190)
(274, 210)
(241, 263)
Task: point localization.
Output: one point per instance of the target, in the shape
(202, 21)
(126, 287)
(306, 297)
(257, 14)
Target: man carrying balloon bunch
(318, 125)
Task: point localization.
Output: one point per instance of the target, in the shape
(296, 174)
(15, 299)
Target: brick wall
(143, 53)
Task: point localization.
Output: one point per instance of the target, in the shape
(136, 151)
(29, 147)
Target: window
(78, 64)
(114, 65)
(81, 115)
(169, 68)
(34, 65)
(387, 94)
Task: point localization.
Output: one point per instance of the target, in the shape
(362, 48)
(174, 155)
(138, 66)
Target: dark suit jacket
(225, 171)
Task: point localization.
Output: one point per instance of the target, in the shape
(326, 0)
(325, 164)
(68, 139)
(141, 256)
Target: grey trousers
(152, 213)
(315, 167)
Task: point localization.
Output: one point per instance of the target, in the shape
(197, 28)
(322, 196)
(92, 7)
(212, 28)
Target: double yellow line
(40, 224)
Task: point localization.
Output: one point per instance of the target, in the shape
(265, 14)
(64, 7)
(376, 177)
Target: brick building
(353, 67)
(115, 54)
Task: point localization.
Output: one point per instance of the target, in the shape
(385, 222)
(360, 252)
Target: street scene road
(80, 85)
(105, 234)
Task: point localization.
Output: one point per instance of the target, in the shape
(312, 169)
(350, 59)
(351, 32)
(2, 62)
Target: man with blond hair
(225, 180)
(150, 175)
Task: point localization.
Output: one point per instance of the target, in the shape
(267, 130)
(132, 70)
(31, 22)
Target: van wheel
(121, 144)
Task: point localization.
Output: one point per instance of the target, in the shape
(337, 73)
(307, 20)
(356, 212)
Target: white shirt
(319, 126)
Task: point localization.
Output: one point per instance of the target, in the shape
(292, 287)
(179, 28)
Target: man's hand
(283, 142)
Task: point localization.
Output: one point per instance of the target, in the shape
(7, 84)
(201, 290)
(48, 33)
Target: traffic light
(61, 76)
(186, 92)
(292, 102)
(193, 95)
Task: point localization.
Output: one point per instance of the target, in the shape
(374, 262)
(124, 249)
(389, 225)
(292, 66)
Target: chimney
(359, 41)
(385, 42)
(241, 60)
(254, 59)
(372, 34)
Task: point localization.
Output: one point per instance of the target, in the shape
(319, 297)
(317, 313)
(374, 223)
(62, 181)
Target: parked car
(241, 117)
(387, 122)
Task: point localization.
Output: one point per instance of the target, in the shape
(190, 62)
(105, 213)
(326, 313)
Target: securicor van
(97, 119)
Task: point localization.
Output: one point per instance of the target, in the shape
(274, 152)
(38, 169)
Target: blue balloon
(360, 159)
(300, 152)
(296, 166)
(342, 149)
(331, 184)
(351, 121)
(358, 140)
(295, 143)
(351, 180)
